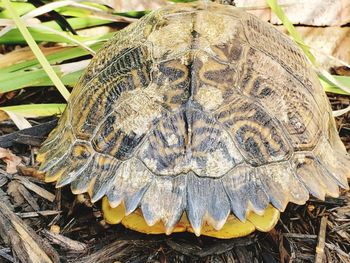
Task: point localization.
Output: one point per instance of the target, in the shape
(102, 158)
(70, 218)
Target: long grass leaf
(21, 8)
(36, 50)
(67, 36)
(21, 60)
(35, 78)
(35, 110)
(15, 37)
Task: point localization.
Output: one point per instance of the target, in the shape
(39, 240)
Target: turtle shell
(198, 108)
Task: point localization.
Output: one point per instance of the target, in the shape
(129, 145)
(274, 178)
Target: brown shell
(200, 108)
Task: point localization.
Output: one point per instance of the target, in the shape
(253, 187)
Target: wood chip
(10, 159)
(65, 242)
(26, 245)
(321, 240)
(38, 213)
(37, 134)
(28, 197)
(302, 236)
(35, 188)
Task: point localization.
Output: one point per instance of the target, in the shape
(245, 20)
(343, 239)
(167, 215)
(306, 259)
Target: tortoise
(199, 117)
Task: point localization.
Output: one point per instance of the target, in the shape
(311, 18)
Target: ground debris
(26, 245)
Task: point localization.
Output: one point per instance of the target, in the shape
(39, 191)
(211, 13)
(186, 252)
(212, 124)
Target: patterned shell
(198, 108)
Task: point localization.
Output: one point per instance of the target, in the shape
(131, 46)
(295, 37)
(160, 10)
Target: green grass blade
(35, 110)
(15, 37)
(330, 86)
(35, 78)
(54, 58)
(36, 50)
(21, 9)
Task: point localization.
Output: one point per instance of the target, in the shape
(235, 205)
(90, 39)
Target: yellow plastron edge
(233, 227)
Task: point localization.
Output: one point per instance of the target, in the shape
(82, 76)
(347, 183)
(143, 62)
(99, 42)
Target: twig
(4, 253)
(35, 188)
(302, 236)
(321, 240)
(38, 213)
(26, 245)
(65, 242)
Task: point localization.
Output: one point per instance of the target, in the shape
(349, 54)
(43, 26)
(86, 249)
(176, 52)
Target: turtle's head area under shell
(197, 115)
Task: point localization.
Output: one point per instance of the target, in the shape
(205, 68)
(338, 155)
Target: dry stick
(38, 213)
(35, 188)
(321, 240)
(65, 242)
(26, 245)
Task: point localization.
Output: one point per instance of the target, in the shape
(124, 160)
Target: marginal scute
(332, 162)
(60, 148)
(85, 179)
(245, 191)
(311, 175)
(206, 202)
(282, 185)
(56, 135)
(77, 159)
(106, 167)
(165, 200)
(132, 179)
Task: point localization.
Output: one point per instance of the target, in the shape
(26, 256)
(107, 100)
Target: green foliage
(36, 50)
(35, 110)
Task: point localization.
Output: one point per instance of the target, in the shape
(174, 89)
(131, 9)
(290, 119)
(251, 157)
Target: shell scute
(259, 136)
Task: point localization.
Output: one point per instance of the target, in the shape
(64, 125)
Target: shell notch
(198, 118)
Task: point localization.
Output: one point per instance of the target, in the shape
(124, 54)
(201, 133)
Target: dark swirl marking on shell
(116, 46)
(283, 96)
(189, 141)
(172, 78)
(213, 81)
(230, 52)
(104, 92)
(257, 134)
(119, 135)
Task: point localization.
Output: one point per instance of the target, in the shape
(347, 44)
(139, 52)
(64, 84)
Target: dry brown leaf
(134, 5)
(7, 96)
(10, 159)
(316, 12)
